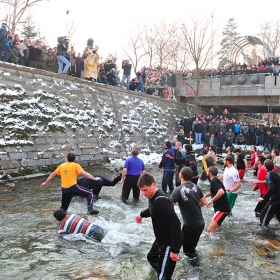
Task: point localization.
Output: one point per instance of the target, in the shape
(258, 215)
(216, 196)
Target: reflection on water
(31, 249)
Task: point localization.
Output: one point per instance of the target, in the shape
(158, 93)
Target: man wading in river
(164, 252)
(68, 173)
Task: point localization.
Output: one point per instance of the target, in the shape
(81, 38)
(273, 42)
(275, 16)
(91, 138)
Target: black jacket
(79, 64)
(166, 225)
(126, 68)
(62, 48)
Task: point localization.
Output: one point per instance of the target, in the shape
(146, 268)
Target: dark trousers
(262, 138)
(269, 211)
(251, 139)
(159, 259)
(260, 206)
(191, 236)
(167, 180)
(79, 73)
(130, 182)
(76, 190)
(220, 149)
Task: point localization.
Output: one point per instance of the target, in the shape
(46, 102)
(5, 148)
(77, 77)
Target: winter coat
(15, 56)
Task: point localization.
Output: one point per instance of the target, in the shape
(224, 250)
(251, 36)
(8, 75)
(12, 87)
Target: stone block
(51, 161)
(89, 157)
(41, 162)
(28, 162)
(40, 141)
(4, 164)
(4, 157)
(17, 156)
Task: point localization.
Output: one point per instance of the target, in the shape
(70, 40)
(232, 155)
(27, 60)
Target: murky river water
(31, 249)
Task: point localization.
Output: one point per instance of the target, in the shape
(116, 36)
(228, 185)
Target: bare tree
(163, 34)
(15, 9)
(148, 43)
(270, 34)
(71, 29)
(178, 58)
(134, 49)
(198, 38)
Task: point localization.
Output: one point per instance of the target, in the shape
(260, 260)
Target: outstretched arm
(48, 180)
(89, 176)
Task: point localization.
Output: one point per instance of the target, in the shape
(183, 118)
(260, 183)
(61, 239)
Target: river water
(31, 249)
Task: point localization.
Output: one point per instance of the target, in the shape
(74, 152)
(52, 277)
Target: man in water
(76, 224)
(167, 164)
(260, 184)
(180, 160)
(272, 197)
(164, 253)
(241, 164)
(190, 199)
(68, 173)
(218, 198)
(133, 168)
(231, 180)
(96, 186)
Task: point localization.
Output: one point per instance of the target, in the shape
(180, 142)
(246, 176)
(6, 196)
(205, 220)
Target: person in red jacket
(254, 155)
(260, 184)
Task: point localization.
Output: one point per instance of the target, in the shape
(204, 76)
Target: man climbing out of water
(68, 173)
(272, 197)
(218, 198)
(75, 224)
(164, 252)
(96, 186)
(190, 200)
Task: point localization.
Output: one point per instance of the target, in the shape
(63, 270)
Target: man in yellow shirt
(68, 173)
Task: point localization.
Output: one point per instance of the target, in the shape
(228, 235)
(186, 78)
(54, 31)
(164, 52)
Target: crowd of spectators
(36, 55)
(269, 66)
(224, 131)
(147, 79)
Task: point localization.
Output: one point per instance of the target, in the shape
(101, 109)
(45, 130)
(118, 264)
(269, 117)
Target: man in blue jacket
(3, 43)
(168, 165)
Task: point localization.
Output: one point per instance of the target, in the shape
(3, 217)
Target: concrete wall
(43, 116)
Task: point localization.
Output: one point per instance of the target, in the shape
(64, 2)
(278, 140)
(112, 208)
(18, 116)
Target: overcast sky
(109, 22)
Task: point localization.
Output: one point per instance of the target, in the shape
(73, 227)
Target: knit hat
(4, 24)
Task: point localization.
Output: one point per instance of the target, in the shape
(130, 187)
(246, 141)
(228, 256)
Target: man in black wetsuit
(272, 207)
(96, 186)
(164, 252)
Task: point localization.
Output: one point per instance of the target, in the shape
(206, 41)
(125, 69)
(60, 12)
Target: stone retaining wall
(44, 115)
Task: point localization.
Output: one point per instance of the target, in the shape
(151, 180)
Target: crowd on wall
(223, 131)
(268, 66)
(66, 61)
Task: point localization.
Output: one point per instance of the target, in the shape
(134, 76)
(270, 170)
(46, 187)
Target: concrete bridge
(254, 93)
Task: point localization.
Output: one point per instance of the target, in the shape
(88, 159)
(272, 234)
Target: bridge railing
(243, 80)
